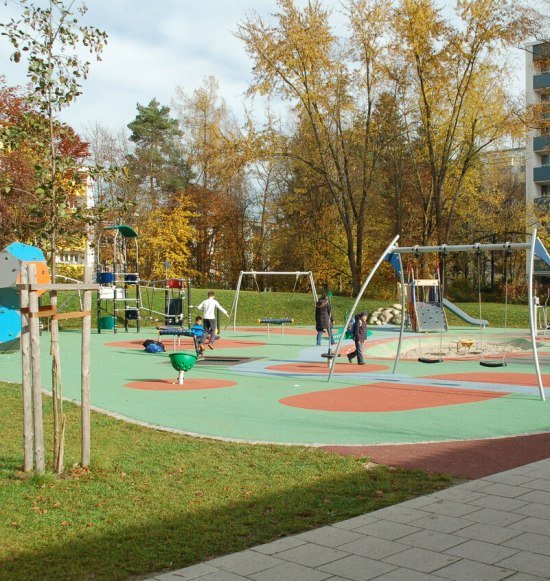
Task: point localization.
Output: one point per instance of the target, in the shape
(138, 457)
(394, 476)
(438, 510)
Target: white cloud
(154, 47)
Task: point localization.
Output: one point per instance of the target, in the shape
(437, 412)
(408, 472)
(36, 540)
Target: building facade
(537, 158)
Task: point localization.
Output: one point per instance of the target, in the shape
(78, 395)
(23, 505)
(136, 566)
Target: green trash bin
(107, 323)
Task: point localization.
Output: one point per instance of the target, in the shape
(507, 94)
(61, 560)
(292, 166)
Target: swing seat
(273, 321)
(330, 355)
(427, 360)
(493, 363)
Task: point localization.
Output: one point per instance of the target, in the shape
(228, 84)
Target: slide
(464, 316)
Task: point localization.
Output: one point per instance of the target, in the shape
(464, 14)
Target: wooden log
(42, 309)
(71, 315)
(60, 287)
(49, 312)
(26, 368)
(57, 402)
(34, 327)
(85, 373)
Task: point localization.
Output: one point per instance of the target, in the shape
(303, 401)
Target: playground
(280, 393)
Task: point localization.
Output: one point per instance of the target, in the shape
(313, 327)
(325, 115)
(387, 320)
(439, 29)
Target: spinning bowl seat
(182, 361)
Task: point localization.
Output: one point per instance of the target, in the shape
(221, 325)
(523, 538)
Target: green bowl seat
(182, 361)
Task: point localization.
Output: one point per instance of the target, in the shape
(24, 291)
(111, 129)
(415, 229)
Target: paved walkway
(497, 527)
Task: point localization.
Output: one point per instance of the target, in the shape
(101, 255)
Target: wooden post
(34, 327)
(85, 372)
(26, 368)
(56, 388)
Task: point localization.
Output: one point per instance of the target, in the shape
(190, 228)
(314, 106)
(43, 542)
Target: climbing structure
(119, 297)
(12, 259)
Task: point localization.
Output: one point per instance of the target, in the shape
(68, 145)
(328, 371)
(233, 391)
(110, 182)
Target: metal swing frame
(534, 248)
(254, 273)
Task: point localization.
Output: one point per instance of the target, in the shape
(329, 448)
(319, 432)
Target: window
(545, 190)
(545, 160)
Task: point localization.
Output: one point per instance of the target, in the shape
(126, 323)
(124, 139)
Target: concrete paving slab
(527, 562)
(388, 530)
(531, 542)
(290, 571)
(245, 562)
(311, 555)
(329, 536)
(481, 552)
(357, 568)
(499, 503)
(279, 545)
(434, 541)
(441, 523)
(464, 569)
(421, 560)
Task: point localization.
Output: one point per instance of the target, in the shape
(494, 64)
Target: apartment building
(537, 154)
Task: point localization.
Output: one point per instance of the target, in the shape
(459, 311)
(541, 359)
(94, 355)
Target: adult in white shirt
(208, 307)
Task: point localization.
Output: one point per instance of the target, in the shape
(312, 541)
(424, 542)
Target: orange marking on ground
(526, 379)
(385, 397)
(189, 385)
(322, 367)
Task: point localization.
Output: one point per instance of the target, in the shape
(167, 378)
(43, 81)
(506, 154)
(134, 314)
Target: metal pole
(188, 303)
(236, 302)
(532, 320)
(402, 282)
(388, 249)
(313, 289)
(444, 248)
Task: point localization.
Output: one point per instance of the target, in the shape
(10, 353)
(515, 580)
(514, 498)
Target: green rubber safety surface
(254, 403)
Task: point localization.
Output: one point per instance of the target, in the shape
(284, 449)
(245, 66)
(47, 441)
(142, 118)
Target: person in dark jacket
(359, 337)
(323, 319)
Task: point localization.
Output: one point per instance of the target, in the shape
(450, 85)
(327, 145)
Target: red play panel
(169, 385)
(187, 343)
(527, 379)
(385, 397)
(322, 367)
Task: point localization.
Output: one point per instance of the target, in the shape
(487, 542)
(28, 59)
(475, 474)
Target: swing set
(269, 319)
(393, 253)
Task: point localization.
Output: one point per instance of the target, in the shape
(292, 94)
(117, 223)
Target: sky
(155, 46)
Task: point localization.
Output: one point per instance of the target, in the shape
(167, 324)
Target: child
(359, 337)
(198, 333)
(208, 307)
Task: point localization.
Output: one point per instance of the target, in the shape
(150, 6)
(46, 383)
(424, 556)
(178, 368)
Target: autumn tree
(217, 152)
(455, 103)
(50, 39)
(165, 235)
(334, 88)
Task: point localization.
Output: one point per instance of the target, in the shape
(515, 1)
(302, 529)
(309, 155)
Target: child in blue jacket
(198, 332)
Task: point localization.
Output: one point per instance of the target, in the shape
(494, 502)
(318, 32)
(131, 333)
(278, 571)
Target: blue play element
(393, 259)
(10, 317)
(541, 252)
(25, 252)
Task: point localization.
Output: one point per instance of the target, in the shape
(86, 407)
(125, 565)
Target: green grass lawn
(299, 306)
(154, 500)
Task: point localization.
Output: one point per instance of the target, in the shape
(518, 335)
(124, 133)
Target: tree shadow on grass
(110, 551)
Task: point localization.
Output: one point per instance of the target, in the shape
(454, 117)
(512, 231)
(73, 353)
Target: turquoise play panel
(251, 410)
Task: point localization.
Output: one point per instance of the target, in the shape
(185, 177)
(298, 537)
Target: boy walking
(359, 337)
(208, 307)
